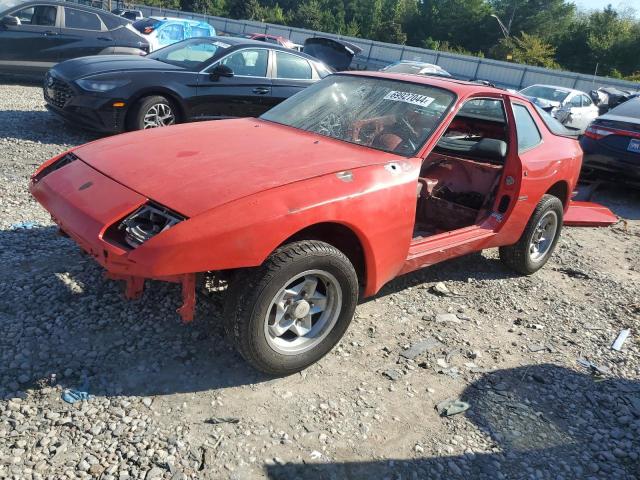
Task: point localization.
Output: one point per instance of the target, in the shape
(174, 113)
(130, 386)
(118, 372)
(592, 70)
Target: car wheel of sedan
(539, 239)
(291, 311)
(152, 112)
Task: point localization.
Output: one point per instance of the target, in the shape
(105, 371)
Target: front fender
(376, 202)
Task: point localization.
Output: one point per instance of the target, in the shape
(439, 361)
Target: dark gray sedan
(36, 35)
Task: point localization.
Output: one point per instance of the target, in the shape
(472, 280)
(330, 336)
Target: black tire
(251, 294)
(518, 256)
(135, 119)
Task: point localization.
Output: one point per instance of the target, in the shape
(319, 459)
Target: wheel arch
(341, 237)
(164, 92)
(560, 190)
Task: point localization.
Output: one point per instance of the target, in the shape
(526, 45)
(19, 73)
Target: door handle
(261, 90)
(105, 39)
(50, 33)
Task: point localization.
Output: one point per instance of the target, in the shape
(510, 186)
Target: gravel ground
(174, 401)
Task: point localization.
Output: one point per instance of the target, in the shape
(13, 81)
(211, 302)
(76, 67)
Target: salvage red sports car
(328, 196)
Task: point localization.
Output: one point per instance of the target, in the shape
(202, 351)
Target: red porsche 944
(352, 182)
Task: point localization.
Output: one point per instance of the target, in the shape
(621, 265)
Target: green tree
(543, 18)
(390, 31)
(209, 7)
(528, 49)
(244, 9)
(606, 39)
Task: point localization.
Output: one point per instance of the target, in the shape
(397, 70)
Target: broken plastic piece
(622, 336)
(595, 369)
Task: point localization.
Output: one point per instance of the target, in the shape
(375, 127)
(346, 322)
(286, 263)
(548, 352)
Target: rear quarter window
(81, 20)
(112, 21)
(526, 128)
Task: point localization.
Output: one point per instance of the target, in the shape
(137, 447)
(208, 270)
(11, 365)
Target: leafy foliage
(550, 33)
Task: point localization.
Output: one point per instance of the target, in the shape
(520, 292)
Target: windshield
(192, 54)
(388, 115)
(547, 93)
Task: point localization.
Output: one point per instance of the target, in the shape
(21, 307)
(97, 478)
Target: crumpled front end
(108, 221)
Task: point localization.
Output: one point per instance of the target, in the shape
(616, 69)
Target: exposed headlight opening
(58, 164)
(147, 222)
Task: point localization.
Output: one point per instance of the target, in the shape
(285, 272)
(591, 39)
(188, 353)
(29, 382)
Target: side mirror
(220, 71)
(10, 21)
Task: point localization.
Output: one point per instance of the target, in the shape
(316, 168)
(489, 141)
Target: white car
(573, 108)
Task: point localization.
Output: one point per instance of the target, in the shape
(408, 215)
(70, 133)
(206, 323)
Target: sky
(603, 3)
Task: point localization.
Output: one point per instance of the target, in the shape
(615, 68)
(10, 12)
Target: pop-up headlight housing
(143, 224)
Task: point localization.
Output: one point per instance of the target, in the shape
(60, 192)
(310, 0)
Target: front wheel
(538, 240)
(152, 112)
(288, 313)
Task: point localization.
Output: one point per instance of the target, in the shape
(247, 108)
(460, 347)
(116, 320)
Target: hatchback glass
(387, 115)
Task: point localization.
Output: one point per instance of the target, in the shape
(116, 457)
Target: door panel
(231, 97)
(83, 34)
(32, 45)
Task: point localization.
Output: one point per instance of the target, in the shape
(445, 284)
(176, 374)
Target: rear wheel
(539, 239)
(152, 112)
(290, 312)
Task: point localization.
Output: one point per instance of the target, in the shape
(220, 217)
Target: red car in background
(277, 39)
(354, 181)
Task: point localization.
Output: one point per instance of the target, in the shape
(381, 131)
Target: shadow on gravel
(41, 126)
(546, 422)
(475, 266)
(63, 323)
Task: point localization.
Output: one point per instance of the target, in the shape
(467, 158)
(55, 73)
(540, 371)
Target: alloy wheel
(543, 236)
(159, 115)
(303, 312)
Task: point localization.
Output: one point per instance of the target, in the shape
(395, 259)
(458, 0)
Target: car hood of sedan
(99, 64)
(194, 167)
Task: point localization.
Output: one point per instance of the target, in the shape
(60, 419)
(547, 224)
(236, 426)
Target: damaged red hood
(194, 167)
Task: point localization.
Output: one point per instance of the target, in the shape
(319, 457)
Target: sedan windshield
(388, 115)
(547, 93)
(191, 54)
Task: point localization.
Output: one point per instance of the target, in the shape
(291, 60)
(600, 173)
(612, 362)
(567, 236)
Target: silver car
(573, 108)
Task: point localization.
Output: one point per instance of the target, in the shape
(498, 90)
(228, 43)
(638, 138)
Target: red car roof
(459, 87)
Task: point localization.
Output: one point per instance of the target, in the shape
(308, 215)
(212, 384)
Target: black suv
(34, 35)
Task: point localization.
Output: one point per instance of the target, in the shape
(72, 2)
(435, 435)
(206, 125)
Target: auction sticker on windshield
(408, 97)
